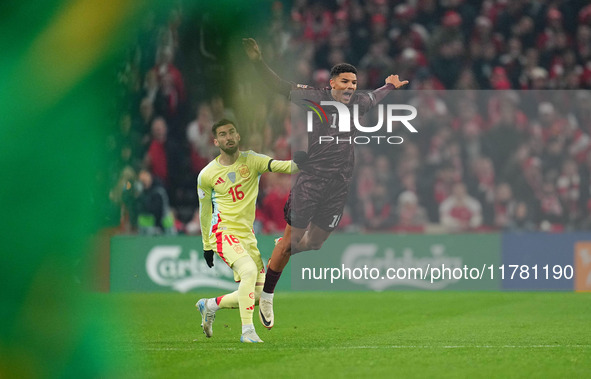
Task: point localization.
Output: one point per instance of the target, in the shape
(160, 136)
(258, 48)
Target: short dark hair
(340, 68)
(221, 122)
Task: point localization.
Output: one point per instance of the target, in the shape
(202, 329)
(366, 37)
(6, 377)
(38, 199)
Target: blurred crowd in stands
(482, 160)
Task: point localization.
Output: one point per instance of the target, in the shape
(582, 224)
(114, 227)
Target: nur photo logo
(341, 119)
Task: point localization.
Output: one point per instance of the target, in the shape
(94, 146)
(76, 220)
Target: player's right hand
(208, 255)
(395, 80)
(252, 49)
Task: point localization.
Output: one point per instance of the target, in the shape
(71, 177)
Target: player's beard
(230, 150)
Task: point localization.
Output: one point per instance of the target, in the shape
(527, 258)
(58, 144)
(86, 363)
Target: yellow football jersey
(227, 194)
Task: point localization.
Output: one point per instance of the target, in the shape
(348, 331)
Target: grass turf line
(411, 334)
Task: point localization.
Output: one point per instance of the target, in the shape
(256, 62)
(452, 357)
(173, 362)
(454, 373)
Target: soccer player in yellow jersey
(228, 187)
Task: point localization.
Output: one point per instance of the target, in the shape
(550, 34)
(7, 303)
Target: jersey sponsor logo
(219, 181)
(244, 171)
(232, 176)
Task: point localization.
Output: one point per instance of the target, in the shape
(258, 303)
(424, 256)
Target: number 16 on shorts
(230, 239)
(232, 248)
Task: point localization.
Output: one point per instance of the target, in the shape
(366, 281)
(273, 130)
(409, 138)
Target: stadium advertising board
(164, 264)
(381, 262)
(583, 266)
(543, 261)
(370, 262)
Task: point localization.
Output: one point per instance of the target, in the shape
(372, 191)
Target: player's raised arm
(264, 163)
(283, 167)
(392, 82)
(289, 167)
(395, 81)
(268, 76)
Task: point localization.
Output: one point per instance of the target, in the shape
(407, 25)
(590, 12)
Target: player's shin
(228, 301)
(271, 280)
(247, 270)
(279, 259)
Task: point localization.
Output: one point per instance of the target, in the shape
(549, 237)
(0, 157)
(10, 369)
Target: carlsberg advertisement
(161, 264)
(165, 264)
(376, 262)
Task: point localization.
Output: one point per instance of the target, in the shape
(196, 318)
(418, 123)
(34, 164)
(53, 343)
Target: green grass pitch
(356, 335)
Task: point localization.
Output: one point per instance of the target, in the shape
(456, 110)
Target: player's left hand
(300, 157)
(395, 80)
(208, 256)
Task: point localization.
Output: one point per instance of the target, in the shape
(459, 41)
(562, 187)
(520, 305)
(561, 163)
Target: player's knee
(285, 247)
(251, 272)
(247, 269)
(315, 245)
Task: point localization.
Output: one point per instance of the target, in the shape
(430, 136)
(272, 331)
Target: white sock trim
(247, 328)
(267, 296)
(213, 304)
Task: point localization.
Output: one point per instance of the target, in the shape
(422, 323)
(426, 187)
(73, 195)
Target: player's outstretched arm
(299, 158)
(269, 77)
(283, 167)
(377, 95)
(262, 163)
(395, 81)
